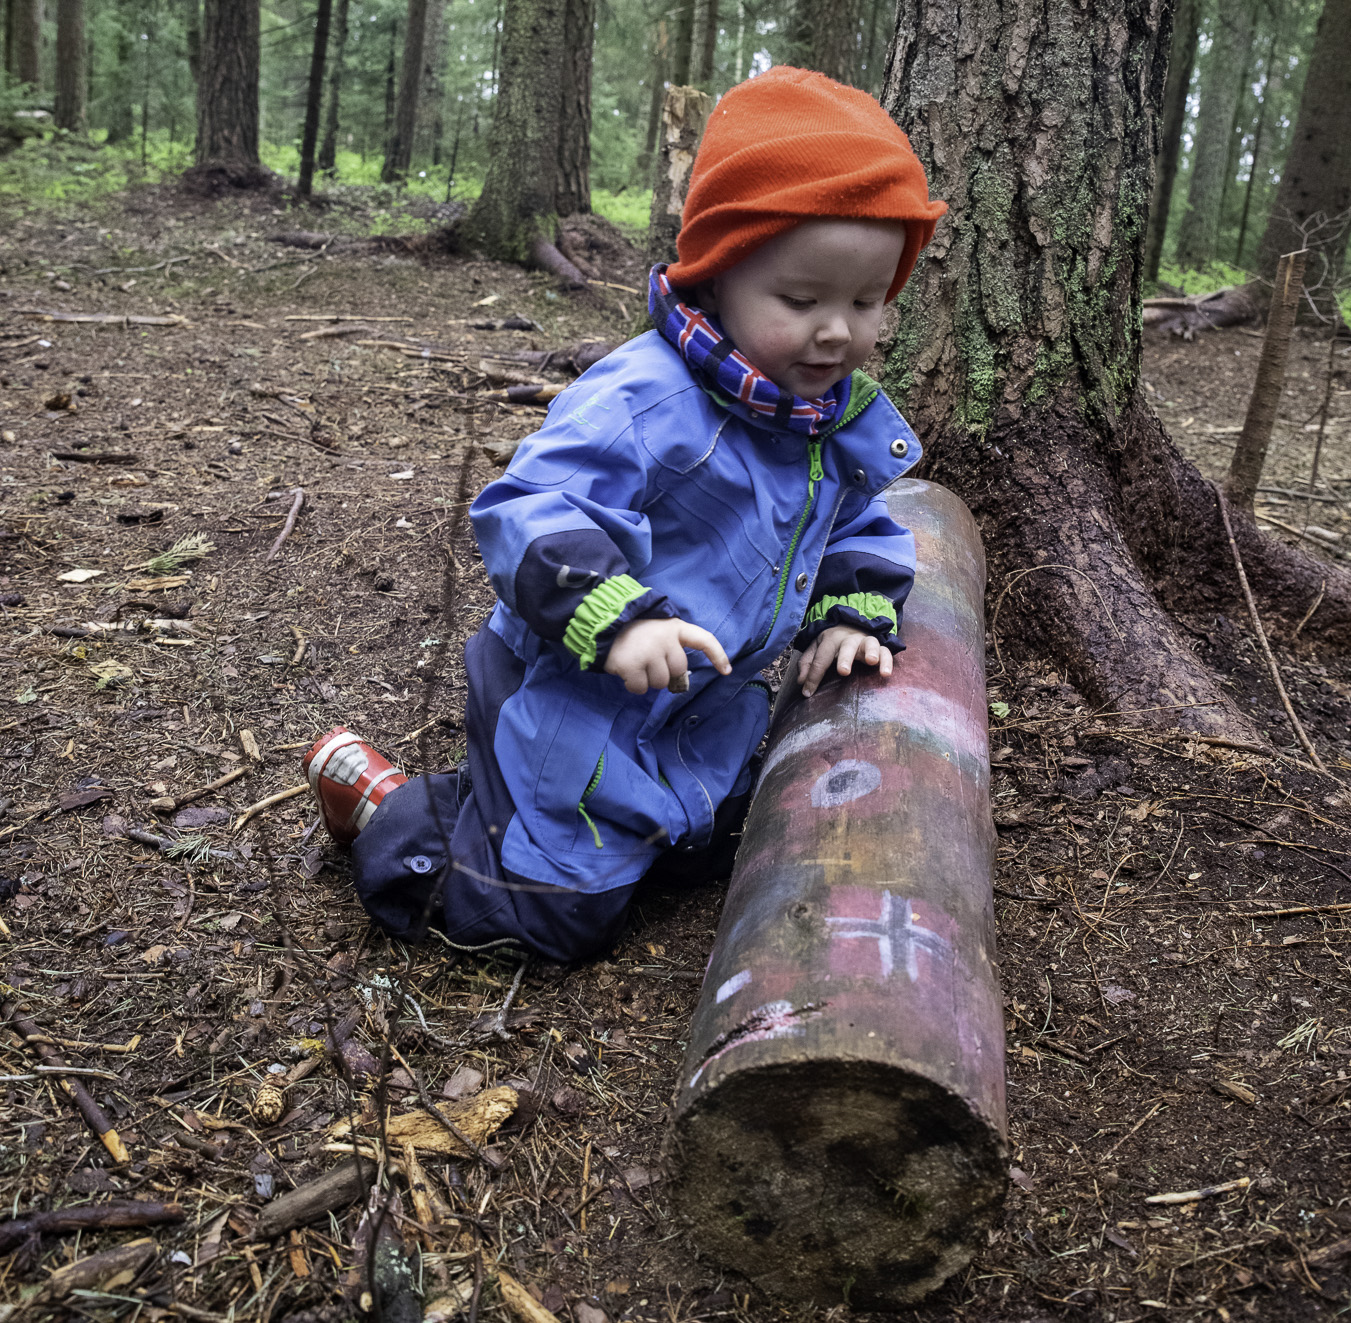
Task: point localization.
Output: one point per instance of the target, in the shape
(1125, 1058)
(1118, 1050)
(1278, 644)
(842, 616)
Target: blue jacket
(642, 495)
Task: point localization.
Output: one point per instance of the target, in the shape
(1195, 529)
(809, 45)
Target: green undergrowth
(628, 209)
(1206, 280)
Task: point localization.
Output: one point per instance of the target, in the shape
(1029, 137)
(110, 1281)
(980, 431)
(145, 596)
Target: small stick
(1308, 615)
(80, 1046)
(78, 1094)
(119, 1213)
(340, 317)
(1292, 909)
(1205, 1192)
(268, 803)
(290, 523)
(219, 784)
(1262, 639)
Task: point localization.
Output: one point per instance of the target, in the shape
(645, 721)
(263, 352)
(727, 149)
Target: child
(711, 488)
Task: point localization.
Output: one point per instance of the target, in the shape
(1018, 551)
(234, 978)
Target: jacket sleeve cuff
(870, 612)
(604, 611)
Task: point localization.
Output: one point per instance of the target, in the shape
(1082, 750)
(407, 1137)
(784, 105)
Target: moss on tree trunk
(1018, 353)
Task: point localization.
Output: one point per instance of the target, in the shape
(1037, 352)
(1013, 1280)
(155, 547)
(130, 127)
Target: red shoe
(349, 779)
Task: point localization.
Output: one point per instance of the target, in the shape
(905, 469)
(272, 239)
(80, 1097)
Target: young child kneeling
(711, 488)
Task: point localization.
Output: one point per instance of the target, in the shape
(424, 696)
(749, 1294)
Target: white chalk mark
(848, 779)
(895, 932)
(732, 986)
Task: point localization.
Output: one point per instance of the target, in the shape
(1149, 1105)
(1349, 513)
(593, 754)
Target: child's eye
(865, 304)
(796, 302)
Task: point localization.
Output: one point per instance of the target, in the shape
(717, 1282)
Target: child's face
(806, 306)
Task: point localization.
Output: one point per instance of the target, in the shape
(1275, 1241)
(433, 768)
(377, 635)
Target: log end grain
(829, 1181)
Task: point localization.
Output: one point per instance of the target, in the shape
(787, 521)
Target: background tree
(328, 151)
(1221, 87)
(25, 27)
(1316, 180)
(227, 96)
(1018, 353)
(1181, 63)
(70, 68)
(825, 36)
(314, 95)
(574, 129)
(399, 152)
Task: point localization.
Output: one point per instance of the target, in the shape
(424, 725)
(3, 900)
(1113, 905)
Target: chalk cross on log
(895, 932)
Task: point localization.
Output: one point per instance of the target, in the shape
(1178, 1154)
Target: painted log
(838, 1132)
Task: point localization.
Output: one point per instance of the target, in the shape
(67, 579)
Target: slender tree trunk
(26, 18)
(519, 200)
(1237, 132)
(120, 118)
(825, 35)
(391, 82)
(70, 73)
(683, 117)
(1271, 89)
(1313, 201)
(328, 152)
(683, 48)
(227, 96)
(657, 94)
(430, 108)
(399, 153)
(314, 95)
(574, 129)
(9, 37)
(1221, 88)
(1181, 61)
(1018, 352)
(192, 33)
(704, 44)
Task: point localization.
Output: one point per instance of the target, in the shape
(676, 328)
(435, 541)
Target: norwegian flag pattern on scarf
(728, 374)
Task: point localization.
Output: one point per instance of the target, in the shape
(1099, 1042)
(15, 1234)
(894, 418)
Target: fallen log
(335, 1189)
(838, 1132)
(87, 1217)
(1185, 316)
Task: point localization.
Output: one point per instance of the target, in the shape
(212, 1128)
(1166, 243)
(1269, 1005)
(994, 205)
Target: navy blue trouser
(430, 854)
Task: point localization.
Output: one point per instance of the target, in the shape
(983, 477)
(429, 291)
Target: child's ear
(706, 295)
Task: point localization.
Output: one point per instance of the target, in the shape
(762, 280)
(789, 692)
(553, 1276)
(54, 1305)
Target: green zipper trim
(586, 794)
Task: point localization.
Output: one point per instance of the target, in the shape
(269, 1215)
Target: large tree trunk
(430, 127)
(227, 97)
(328, 152)
(26, 41)
(1018, 355)
(314, 95)
(70, 79)
(1313, 203)
(682, 53)
(574, 128)
(519, 200)
(1181, 60)
(118, 115)
(1221, 88)
(192, 36)
(399, 151)
(825, 36)
(704, 44)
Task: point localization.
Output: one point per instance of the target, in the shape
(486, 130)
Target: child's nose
(834, 329)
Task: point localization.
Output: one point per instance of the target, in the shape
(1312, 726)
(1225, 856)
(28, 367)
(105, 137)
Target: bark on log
(334, 1189)
(87, 1217)
(839, 1129)
(683, 117)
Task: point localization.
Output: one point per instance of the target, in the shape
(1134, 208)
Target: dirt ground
(1165, 1033)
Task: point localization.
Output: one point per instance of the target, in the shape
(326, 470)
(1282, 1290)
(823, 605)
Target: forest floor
(1164, 1031)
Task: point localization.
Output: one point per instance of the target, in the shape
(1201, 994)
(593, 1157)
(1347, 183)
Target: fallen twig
(267, 803)
(1262, 639)
(101, 318)
(339, 317)
(1290, 910)
(1205, 1192)
(94, 457)
(78, 1094)
(218, 784)
(136, 270)
(289, 525)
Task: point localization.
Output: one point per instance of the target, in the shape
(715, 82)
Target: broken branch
(289, 525)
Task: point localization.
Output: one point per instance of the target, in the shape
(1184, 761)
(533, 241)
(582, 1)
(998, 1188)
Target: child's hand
(649, 654)
(843, 645)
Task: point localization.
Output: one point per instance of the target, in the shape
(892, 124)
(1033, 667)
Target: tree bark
(1271, 88)
(1245, 468)
(328, 151)
(657, 94)
(683, 117)
(1313, 202)
(399, 152)
(227, 97)
(1181, 61)
(520, 192)
(1221, 88)
(314, 95)
(70, 70)
(431, 99)
(1018, 351)
(825, 37)
(192, 35)
(574, 128)
(704, 44)
(683, 48)
(119, 115)
(26, 21)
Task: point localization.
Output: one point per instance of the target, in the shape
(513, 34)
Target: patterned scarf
(733, 380)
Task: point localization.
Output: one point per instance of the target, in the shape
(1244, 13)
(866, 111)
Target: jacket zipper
(586, 794)
(815, 473)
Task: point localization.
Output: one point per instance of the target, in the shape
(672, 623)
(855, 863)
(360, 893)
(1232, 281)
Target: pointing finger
(691, 636)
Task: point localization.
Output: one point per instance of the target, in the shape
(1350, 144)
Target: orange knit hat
(787, 146)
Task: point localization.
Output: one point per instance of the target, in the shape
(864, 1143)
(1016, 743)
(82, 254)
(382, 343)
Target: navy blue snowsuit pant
(430, 854)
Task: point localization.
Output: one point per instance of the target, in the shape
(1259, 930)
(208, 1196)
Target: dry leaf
(154, 954)
(79, 576)
(249, 743)
(155, 582)
(477, 1119)
(1233, 1089)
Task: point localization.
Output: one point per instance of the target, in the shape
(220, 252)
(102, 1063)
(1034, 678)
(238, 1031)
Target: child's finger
(884, 662)
(821, 660)
(849, 646)
(691, 636)
(804, 662)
